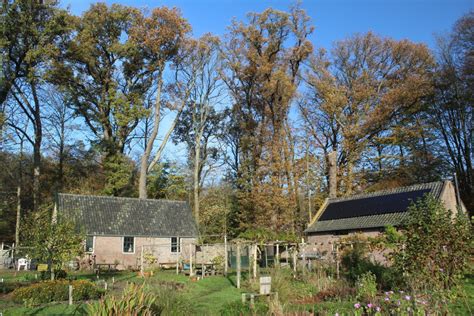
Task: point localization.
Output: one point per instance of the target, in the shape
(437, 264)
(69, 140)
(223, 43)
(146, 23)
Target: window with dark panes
(175, 244)
(90, 244)
(128, 244)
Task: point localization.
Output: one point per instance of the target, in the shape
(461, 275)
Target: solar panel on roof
(384, 204)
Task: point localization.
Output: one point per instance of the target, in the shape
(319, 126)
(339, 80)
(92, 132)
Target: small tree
(51, 242)
(436, 250)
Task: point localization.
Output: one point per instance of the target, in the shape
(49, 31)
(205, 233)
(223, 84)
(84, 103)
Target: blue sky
(417, 20)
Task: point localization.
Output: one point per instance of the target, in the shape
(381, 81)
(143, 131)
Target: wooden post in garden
(294, 259)
(191, 273)
(266, 256)
(277, 257)
(177, 264)
(70, 295)
(337, 261)
(238, 265)
(254, 261)
(142, 269)
(303, 255)
(226, 259)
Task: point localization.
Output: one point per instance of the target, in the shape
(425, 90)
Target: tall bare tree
(158, 37)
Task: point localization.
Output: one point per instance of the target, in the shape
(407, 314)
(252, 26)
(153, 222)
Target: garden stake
(70, 294)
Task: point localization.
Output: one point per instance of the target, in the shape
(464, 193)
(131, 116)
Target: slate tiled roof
(117, 216)
(371, 210)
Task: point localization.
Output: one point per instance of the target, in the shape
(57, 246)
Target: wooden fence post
(70, 295)
(238, 265)
(277, 257)
(254, 261)
(226, 259)
(294, 259)
(142, 268)
(191, 273)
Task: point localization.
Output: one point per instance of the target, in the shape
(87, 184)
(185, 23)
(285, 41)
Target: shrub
(366, 286)
(437, 246)
(59, 274)
(135, 300)
(55, 291)
(356, 263)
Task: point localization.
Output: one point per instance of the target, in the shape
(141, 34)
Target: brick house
(370, 213)
(117, 228)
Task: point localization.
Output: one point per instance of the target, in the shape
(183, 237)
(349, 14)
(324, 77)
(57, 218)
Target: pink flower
(424, 302)
(387, 299)
(398, 303)
(337, 314)
(407, 297)
(378, 309)
(370, 305)
(357, 305)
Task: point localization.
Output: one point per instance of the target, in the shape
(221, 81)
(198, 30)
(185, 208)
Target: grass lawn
(208, 296)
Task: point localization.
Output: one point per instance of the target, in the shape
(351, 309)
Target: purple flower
(407, 297)
(424, 302)
(441, 270)
(378, 309)
(357, 305)
(337, 314)
(400, 292)
(398, 303)
(387, 299)
(370, 305)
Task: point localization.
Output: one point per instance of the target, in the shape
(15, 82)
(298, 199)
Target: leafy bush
(135, 300)
(366, 286)
(59, 275)
(355, 263)
(434, 255)
(55, 291)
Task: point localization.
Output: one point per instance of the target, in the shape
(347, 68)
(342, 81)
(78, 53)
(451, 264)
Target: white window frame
(93, 244)
(178, 244)
(123, 244)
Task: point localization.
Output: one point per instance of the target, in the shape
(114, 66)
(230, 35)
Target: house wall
(109, 250)
(324, 244)
(448, 197)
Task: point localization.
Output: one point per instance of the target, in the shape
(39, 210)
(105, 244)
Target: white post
(177, 264)
(225, 255)
(238, 265)
(70, 294)
(294, 259)
(191, 273)
(105, 285)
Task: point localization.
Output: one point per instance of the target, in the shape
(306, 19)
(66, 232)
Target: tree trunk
(197, 153)
(142, 181)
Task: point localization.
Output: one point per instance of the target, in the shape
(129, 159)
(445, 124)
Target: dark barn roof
(372, 210)
(117, 216)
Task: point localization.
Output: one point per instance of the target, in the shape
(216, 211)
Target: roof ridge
(120, 197)
(408, 188)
